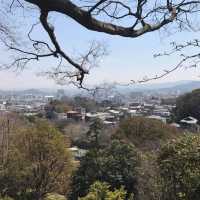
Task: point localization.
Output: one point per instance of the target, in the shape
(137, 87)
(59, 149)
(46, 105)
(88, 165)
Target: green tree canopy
(116, 165)
(94, 132)
(101, 191)
(179, 163)
(188, 105)
(85, 102)
(145, 133)
(56, 106)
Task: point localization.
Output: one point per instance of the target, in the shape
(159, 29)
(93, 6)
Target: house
(158, 118)
(109, 123)
(49, 98)
(77, 152)
(2, 107)
(161, 111)
(116, 113)
(132, 113)
(75, 115)
(136, 106)
(62, 116)
(190, 123)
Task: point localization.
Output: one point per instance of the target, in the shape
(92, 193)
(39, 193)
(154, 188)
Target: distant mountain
(31, 91)
(23, 92)
(180, 86)
(183, 88)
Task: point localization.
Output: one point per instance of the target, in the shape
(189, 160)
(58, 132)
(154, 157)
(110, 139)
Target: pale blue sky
(128, 58)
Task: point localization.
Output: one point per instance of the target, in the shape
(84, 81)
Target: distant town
(111, 106)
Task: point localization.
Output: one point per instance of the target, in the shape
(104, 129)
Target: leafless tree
(6, 30)
(127, 18)
(9, 123)
(189, 56)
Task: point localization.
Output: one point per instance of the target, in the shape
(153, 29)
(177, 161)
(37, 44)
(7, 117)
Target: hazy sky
(128, 58)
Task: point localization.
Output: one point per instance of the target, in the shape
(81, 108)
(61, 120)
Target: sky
(127, 59)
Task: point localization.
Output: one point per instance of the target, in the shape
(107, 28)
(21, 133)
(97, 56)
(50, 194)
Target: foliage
(188, 105)
(179, 163)
(101, 191)
(50, 112)
(145, 133)
(56, 106)
(148, 180)
(38, 162)
(168, 101)
(5, 198)
(61, 106)
(85, 102)
(80, 135)
(9, 123)
(94, 132)
(116, 165)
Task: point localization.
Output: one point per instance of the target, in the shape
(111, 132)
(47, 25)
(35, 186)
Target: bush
(179, 164)
(102, 191)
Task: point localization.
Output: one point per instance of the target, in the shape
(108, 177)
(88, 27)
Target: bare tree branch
(115, 17)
